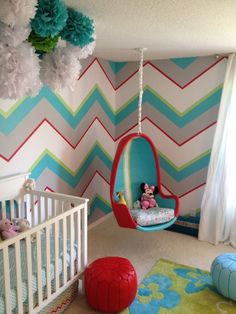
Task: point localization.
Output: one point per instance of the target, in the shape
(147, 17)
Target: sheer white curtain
(218, 209)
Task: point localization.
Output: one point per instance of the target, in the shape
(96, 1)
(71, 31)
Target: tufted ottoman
(223, 272)
(110, 284)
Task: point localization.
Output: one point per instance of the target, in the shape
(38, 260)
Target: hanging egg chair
(135, 173)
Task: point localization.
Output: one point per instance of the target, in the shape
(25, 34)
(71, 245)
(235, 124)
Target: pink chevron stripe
(171, 138)
(187, 84)
(100, 122)
(194, 189)
(55, 129)
(95, 173)
(155, 67)
(47, 188)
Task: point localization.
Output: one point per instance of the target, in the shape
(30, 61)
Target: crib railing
(52, 216)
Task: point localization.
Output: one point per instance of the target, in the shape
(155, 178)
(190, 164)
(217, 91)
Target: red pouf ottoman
(110, 284)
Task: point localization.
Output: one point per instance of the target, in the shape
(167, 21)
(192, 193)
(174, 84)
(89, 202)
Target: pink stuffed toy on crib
(147, 198)
(7, 229)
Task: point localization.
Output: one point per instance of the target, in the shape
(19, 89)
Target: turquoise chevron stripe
(101, 204)
(125, 112)
(183, 63)
(182, 121)
(116, 66)
(9, 124)
(179, 175)
(48, 162)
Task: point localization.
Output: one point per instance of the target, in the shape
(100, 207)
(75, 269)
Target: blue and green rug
(178, 289)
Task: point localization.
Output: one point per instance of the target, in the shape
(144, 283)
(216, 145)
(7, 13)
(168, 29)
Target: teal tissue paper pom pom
(79, 29)
(50, 18)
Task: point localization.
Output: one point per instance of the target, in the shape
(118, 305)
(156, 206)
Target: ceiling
(167, 28)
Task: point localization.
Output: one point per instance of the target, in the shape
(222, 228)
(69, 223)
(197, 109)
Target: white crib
(39, 264)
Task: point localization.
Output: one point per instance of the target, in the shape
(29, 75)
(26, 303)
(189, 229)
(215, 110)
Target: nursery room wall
(66, 141)
(180, 106)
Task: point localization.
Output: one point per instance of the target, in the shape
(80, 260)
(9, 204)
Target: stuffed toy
(29, 184)
(137, 205)
(147, 198)
(7, 229)
(121, 198)
(22, 224)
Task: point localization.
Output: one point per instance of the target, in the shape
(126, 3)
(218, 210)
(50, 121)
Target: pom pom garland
(19, 75)
(79, 29)
(82, 53)
(41, 40)
(60, 69)
(17, 12)
(42, 44)
(13, 36)
(50, 18)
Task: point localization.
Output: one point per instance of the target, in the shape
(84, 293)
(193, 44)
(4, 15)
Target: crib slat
(28, 212)
(46, 208)
(4, 210)
(7, 282)
(32, 210)
(18, 277)
(56, 237)
(29, 273)
(48, 266)
(39, 210)
(84, 235)
(64, 251)
(39, 266)
(12, 209)
(72, 246)
(78, 240)
(61, 207)
(54, 207)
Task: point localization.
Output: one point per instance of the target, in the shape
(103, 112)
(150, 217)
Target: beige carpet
(144, 249)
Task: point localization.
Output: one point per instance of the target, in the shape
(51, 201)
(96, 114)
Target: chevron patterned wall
(68, 141)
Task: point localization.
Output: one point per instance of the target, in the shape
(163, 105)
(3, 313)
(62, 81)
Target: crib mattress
(34, 271)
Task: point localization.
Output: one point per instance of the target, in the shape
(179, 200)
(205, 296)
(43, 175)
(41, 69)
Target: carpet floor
(144, 250)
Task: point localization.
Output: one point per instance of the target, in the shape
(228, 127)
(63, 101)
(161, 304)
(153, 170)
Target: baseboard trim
(99, 221)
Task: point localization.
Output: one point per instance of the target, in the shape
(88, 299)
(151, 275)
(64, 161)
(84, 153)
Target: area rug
(178, 289)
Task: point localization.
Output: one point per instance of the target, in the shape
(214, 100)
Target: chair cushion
(152, 216)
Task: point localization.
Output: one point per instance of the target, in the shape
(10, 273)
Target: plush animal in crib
(22, 224)
(147, 199)
(121, 198)
(29, 184)
(7, 229)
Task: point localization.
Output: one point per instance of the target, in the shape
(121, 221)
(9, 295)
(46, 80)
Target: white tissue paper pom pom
(13, 36)
(19, 71)
(83, 53)
(60, 69)
(17, 12)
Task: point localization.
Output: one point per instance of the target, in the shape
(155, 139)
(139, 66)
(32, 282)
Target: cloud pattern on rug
(154, 293)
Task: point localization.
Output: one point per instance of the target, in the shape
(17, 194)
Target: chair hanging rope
(140, 92)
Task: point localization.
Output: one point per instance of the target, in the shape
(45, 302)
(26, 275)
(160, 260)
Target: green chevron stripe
(50, 161)
(73, 118)
(99, 202)
(7, 113)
